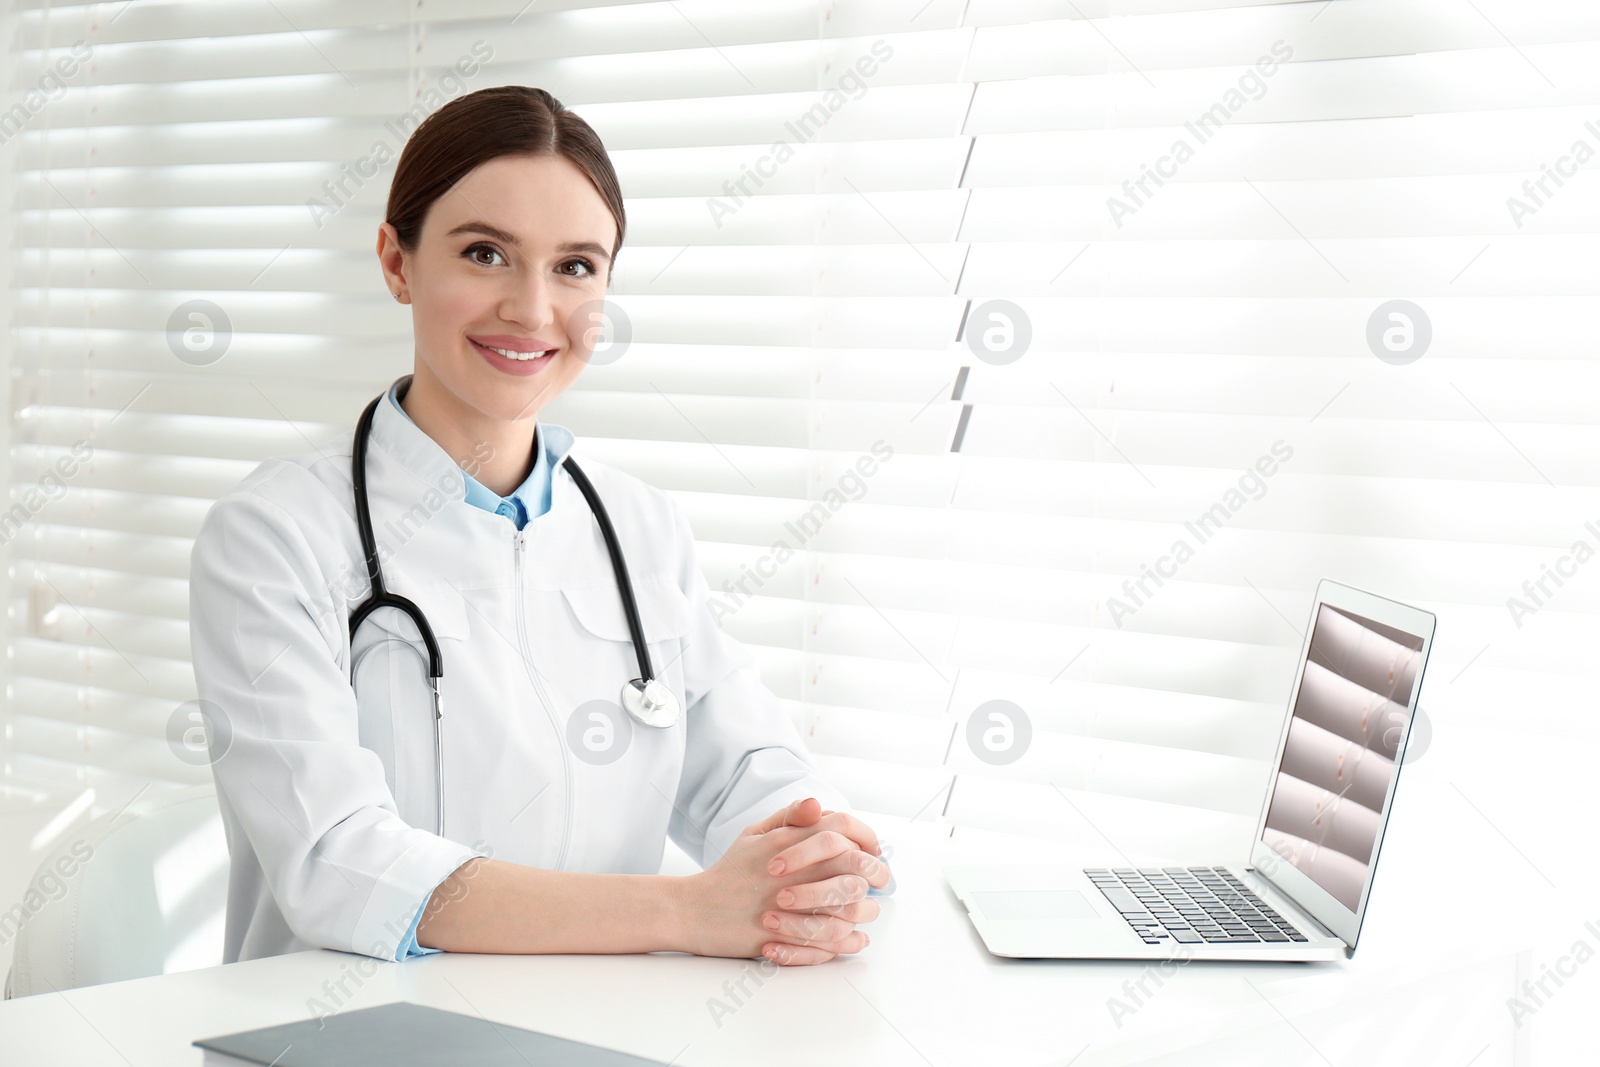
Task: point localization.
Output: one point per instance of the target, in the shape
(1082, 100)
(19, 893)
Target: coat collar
(424, 457)
(429, 537)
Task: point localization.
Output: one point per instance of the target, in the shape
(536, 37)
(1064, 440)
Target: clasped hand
(792, 888)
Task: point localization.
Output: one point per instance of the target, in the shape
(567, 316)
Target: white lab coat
(327, 792)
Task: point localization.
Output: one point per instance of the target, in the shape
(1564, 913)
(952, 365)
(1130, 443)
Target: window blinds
(1047, 339)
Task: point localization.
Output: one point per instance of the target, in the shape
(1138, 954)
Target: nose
(527, 301)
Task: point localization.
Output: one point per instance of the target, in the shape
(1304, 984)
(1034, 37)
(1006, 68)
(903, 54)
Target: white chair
(136, 893)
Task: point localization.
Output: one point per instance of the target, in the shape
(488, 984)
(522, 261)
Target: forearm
(491, 905)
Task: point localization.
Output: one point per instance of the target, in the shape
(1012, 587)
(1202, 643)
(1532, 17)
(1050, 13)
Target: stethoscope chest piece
(652, 703)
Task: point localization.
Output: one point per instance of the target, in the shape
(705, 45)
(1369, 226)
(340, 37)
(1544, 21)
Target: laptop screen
(1326, 810)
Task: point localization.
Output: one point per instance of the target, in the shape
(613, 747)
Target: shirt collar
(394, 429)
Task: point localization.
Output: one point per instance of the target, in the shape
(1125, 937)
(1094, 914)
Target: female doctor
(352, 762)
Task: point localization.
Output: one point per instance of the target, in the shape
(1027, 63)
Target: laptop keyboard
(1191, 905)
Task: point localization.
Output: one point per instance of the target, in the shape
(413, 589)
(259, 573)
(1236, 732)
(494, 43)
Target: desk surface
(925, 992)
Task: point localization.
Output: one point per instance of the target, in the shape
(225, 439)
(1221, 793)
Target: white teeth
(523, 356)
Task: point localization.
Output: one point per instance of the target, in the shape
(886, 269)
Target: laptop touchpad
(1033, 904)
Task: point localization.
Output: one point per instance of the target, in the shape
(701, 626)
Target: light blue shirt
(528, 500)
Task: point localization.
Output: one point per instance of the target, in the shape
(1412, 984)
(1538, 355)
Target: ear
(391, 258)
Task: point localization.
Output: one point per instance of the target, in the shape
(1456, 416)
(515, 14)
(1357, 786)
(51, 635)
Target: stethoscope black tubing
(630, 606)
(381, 597)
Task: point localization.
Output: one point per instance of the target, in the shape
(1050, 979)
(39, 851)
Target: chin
(525, 399)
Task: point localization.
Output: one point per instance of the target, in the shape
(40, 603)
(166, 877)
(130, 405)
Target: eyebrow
(488, 230)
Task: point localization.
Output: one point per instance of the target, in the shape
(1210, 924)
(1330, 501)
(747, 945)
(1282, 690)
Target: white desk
(925, 992)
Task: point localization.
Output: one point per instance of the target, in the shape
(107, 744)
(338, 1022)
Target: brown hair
(497, 121)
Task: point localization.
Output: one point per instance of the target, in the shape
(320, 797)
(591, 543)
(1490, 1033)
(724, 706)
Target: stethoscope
(647, 699)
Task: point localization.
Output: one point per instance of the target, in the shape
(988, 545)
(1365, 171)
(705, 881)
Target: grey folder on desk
(410, 1034)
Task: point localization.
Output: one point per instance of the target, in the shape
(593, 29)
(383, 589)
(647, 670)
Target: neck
(497, 452)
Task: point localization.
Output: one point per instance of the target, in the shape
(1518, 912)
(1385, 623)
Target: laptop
(1302, 888)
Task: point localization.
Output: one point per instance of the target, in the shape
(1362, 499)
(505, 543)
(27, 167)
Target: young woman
(520, 653)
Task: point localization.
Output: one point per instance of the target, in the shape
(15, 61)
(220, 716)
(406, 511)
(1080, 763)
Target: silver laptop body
(1316, 844)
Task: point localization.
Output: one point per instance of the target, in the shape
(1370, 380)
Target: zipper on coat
(544, 698)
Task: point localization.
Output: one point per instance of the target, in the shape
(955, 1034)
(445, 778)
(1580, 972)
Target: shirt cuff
(886, 851)
(408, 945)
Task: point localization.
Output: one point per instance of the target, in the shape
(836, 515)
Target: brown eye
(472, 250)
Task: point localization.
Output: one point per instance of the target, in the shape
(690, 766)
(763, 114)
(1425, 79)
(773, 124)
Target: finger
(778, 818)
(796, 956)
(853, 828)
(786, 816)
(813, 848)
(801, 928)
(861, 911)
(828, 893)
(803, 812)
(811, 861)
(855, 942)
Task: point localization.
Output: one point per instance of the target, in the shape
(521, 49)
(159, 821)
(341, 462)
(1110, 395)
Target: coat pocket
(664, 611)
(599, 624)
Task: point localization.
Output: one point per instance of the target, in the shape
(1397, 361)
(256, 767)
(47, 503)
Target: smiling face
(514, 257)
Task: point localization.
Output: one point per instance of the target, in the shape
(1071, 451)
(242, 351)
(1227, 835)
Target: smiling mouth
(521, 357)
